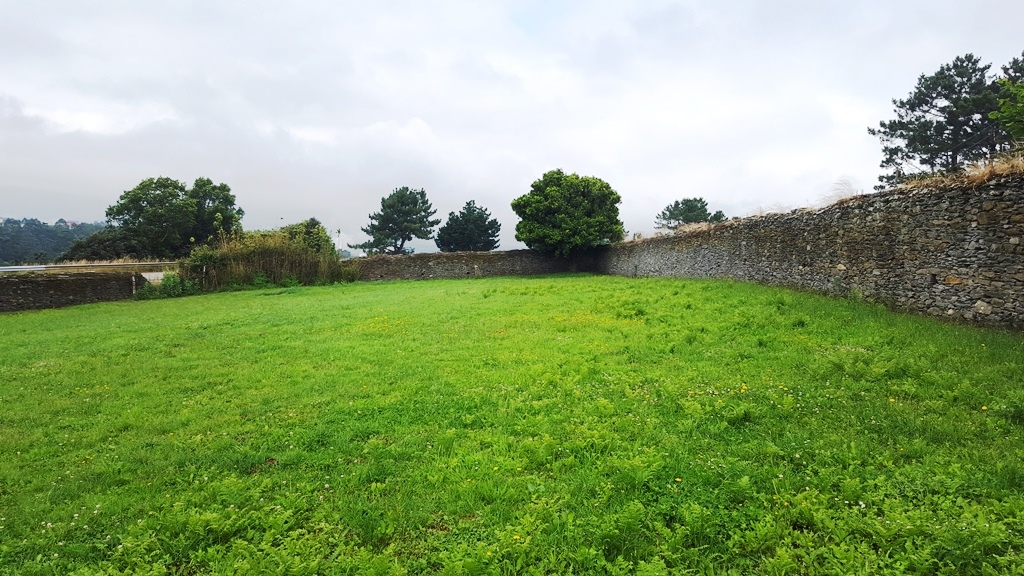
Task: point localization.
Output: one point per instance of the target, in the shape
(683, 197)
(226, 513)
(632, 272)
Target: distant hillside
(30, 241)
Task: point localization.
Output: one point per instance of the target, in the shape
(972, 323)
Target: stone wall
(955, 252)
(29, 291)
(458, 265)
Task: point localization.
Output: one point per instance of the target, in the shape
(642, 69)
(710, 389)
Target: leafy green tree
(164, 216)
(404, 215)
(311, 233)
(566, 214)
(944, 123)
(215, 210)
(1011, 108)
(471, 230)
(686, 211)
(158, 214)
(110, 243)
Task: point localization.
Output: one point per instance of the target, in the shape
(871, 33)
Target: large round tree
(164, 218)
(567, 214)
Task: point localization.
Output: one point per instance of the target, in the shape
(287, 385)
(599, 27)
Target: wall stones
(28, 291)
(954, 252)
(459, 265)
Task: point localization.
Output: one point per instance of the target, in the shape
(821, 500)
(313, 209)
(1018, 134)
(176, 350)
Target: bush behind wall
(264, 257)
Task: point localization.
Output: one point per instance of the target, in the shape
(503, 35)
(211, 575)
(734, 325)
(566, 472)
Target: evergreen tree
(404, 215)
(471, 230)
(944, 123)
(686, 211)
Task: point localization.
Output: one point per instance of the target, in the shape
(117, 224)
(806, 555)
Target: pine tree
(471, 230)
(404, 215)
(944, 123)
(686, 211)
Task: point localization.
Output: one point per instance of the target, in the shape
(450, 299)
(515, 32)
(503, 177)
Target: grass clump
(1006, 165)
(574, 424)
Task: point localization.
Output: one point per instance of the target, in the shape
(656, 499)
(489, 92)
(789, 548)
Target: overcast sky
(320, 108)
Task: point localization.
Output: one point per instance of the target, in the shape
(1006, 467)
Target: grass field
(573, 424)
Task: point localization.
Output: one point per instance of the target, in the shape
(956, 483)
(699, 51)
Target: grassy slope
(570, 424)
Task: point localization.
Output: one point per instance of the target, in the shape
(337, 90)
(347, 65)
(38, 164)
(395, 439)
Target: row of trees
(406, 214)
(563, 214)
(958, 115)
(29, 241)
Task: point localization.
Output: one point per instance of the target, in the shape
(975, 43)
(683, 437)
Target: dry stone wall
(31, 291)
(458, 265)
(955, 252)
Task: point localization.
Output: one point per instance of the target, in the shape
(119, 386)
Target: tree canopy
(566, 214)
(166, 219)
(215, 210)
(29, 241)
(404, 215)
(471, 230)
(945, 123)
(1011, 108)
(686, 211)
(110, 243)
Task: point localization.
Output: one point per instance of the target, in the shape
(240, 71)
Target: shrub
(265, 258)
(171, 286)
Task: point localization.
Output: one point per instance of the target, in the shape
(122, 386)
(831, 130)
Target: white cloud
(106, 118)
(321, 108)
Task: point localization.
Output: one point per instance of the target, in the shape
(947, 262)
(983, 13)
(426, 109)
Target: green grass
(573, 424)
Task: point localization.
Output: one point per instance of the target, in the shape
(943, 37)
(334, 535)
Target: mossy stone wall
(954, 252)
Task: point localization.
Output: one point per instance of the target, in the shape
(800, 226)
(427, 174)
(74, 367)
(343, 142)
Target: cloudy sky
(320, 108)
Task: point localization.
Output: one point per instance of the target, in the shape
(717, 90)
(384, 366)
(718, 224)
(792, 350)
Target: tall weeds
(1006, 165)
(264, 257)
